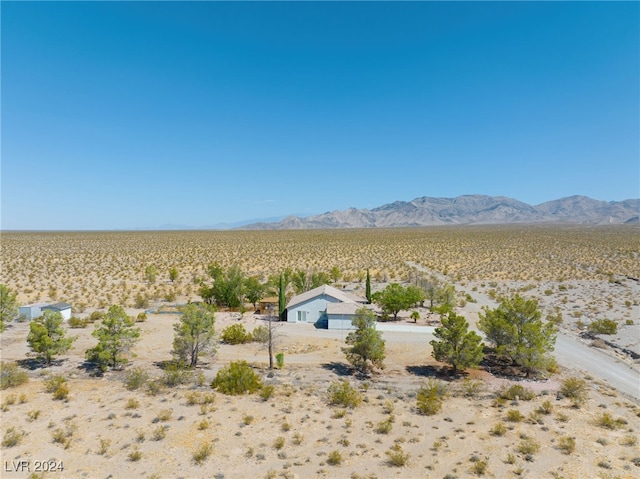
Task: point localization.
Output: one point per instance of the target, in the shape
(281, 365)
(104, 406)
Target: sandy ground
(101, 413)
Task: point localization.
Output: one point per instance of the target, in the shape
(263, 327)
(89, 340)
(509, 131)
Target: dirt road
(575, 355)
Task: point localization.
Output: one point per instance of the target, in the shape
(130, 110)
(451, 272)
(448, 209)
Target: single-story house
(35, 310)
(325, 306)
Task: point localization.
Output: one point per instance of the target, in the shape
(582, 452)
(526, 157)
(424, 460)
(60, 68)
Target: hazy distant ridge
(467, 209)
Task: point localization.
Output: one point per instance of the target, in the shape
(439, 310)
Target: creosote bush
(58, 386)
(11, 375)
(267, 391)
(12, 437)
(603, 326)
(237, 378)
(528, 446)
(567, 445)
(341, 393)
(135, 378)
(574, 389)
(430, 397)
(517, 391)
(397, 457)
(236, 334)
(334, 458)
(202, 453)
(607, 421)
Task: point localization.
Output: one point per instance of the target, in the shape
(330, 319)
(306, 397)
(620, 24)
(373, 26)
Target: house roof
(269, 299)
(325, 289)
(343, 308)
(35, 305)
(57, 306)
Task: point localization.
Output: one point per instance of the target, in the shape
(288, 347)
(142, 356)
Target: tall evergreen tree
(116, 335)
(368, 287)
(367, 347)
(458, 346)
(8, 306)
(194, 334)
(282, 297)
(516, 330)
(47, 337)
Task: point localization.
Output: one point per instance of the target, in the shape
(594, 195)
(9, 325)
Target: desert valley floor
(104, 429)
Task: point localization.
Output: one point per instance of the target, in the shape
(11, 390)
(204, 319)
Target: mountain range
(466, 210)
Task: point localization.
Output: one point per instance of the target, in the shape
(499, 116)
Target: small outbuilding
(35, 310)
(268, 305)
(62, 308)
(31, 311)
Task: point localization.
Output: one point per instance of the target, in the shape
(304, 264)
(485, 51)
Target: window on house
(302, 316)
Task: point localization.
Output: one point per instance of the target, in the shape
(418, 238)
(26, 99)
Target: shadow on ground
(340, 369)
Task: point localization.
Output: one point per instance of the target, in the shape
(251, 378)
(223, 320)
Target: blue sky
(125, 115)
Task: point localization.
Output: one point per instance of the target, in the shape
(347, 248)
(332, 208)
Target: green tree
(431, 288)
(254, 290)
(173, 274)
(335, 274)
(227, 289)
(116, 336)
(319, 278)
(367, 287)
(194, 334)
(515, 329)
(282, 297)
(8, 306)
(300, 281)
(446, 299)
(47, 338)
(395, 298)
(366, 347)
(150, 273)
(457, 346)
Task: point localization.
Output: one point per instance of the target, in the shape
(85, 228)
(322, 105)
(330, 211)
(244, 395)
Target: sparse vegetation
(341, 393)
(567, 445)
(397, 457)
(430, 397)
(202, 453)
(603, 326)
(469, 426)
(237, 378)
(575, 389)
(135, 378)
(11, 375)
(334, 458)
(12, 437)
(236, 334)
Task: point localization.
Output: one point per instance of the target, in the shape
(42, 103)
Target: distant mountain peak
(467, 210)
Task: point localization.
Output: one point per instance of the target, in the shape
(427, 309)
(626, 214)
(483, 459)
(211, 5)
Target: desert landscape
(164, 426)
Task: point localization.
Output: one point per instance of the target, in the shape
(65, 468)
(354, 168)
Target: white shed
(35, 310)
(31, 311)
(63, 308)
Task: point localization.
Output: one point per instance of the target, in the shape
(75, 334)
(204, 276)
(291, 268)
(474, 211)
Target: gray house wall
(314, 309)
(31, 311)
(340, 321)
